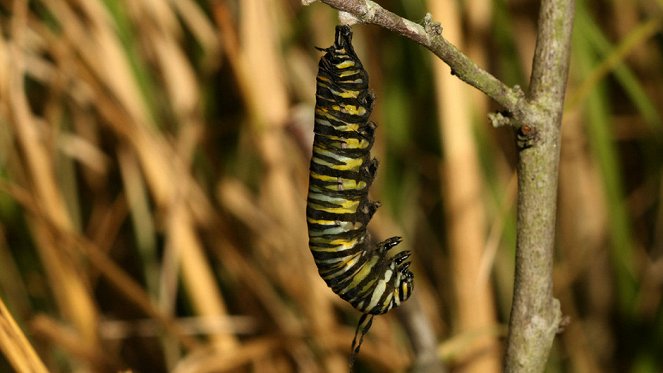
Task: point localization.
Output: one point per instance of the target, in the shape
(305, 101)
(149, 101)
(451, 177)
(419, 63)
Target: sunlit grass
(153, 174)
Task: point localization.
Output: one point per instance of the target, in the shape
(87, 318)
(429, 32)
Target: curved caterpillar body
(338, 210)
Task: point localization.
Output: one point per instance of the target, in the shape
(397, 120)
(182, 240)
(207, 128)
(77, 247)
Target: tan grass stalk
(99, 260)
(463, 195)
(197, 274)
(160, 161)
(60, 261)
(268, 105)
(69, 341)
(212, 359)
(15, 346)
(205, 32)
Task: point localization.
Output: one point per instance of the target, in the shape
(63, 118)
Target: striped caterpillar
(338, 210)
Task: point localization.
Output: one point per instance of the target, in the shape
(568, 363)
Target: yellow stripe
(326, 178)
(347, 127)
(347, 165)
(343, 74)
(345, 64)
(350, 109)
(337, 241)
(348, 93)
(343, 184)
(348, 143)
(315, 194)
(346, 185)
(335, 210)
(347, 225)
(364, 272)
(344, 203)
(340, 246)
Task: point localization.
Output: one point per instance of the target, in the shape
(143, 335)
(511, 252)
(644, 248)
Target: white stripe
(377, 294)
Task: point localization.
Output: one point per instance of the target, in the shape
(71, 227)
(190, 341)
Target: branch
(535, 315)
(430, 36)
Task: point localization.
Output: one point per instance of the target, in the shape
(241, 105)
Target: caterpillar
(338, 210)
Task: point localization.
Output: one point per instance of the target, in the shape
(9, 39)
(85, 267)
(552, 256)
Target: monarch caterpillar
(338, 210)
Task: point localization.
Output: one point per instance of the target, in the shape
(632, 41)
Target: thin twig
(430, 36)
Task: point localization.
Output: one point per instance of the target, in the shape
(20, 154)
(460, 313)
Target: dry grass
(153, 175)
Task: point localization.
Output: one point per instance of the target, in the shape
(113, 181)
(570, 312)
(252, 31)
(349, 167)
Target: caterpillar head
(404, 278)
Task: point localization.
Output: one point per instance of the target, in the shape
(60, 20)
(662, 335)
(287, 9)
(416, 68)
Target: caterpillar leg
(401, 257)
(370, 100)
(373, 168)
(364, 324)
(369, 170)
(370, 208)
(368, 132)
(389, 243)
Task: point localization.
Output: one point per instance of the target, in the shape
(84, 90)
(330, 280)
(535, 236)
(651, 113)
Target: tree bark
(535, 314)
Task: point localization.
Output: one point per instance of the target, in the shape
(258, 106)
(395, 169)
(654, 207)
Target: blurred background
(154, 168)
